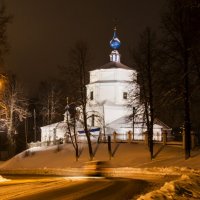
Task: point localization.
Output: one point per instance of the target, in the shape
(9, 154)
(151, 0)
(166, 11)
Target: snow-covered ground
(3, 179)
(124, 155)
(185, 188)
(129, 160)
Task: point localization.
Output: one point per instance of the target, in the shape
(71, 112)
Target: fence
(117, 137)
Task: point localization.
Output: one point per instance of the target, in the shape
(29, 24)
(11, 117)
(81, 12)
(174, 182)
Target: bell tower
(115, 45)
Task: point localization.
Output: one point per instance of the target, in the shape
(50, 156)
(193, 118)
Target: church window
(125, 95)
(91, 95)
(92, 124)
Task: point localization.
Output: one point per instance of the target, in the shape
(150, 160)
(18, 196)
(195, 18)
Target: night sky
(42, 32)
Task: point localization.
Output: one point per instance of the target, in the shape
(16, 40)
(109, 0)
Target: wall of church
(108, 93)
(112, 113)
(53, 132)
(110, 75)
(124, 75)
(107, 113)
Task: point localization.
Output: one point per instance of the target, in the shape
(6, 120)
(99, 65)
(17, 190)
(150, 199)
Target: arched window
(91, 95)
(92, 124)
(125, 95)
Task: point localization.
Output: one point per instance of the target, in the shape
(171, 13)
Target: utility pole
(133, 121)
(109, 147)
(34, 118)
(25, 130)
(104, 126)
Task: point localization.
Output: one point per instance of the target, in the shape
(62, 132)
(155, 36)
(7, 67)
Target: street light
(134, 111)
(3, 80)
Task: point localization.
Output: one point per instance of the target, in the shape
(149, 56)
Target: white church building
(108, 104)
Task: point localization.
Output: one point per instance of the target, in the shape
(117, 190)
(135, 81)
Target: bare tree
(71, 118)
(14, 107)
(146, 63)
(51, 101)
(79, 61)
(181, 28)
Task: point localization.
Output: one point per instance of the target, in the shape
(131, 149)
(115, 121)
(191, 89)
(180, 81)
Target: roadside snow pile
(187, 187)
(172, 170)
(162, 171)
(3, 179)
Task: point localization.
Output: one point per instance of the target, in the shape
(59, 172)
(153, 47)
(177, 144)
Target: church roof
(126, 121)
(60, 125)
(159, 122)
(113, 65)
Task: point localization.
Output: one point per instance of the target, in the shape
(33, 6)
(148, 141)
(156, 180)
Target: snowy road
(71, 188)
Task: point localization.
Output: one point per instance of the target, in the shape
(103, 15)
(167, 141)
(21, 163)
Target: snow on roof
(159, 122)
(60, 125)
(126, 121)
(110, 81)
(111, 65)
(122, 120)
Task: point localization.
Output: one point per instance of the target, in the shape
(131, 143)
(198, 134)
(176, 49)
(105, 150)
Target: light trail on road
(68, 188)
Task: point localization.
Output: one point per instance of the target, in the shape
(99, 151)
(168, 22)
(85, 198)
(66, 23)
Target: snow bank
(187, 187)
(3, 179)
(127, 156)
(154, 171)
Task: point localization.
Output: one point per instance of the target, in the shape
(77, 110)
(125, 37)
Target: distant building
(108, 103)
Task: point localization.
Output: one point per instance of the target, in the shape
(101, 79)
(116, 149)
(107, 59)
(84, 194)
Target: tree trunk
(187, 123)
(151, 114)
(87, 133)
(84, 102)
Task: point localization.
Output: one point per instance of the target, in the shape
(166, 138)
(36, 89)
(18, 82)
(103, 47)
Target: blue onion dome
(115, 42)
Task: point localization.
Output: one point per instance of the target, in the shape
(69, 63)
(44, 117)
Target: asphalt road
(66, 188)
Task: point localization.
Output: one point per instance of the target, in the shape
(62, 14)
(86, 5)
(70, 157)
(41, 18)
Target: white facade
(108, 95)
(108, 91)
(53, 132)
(107, 106)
